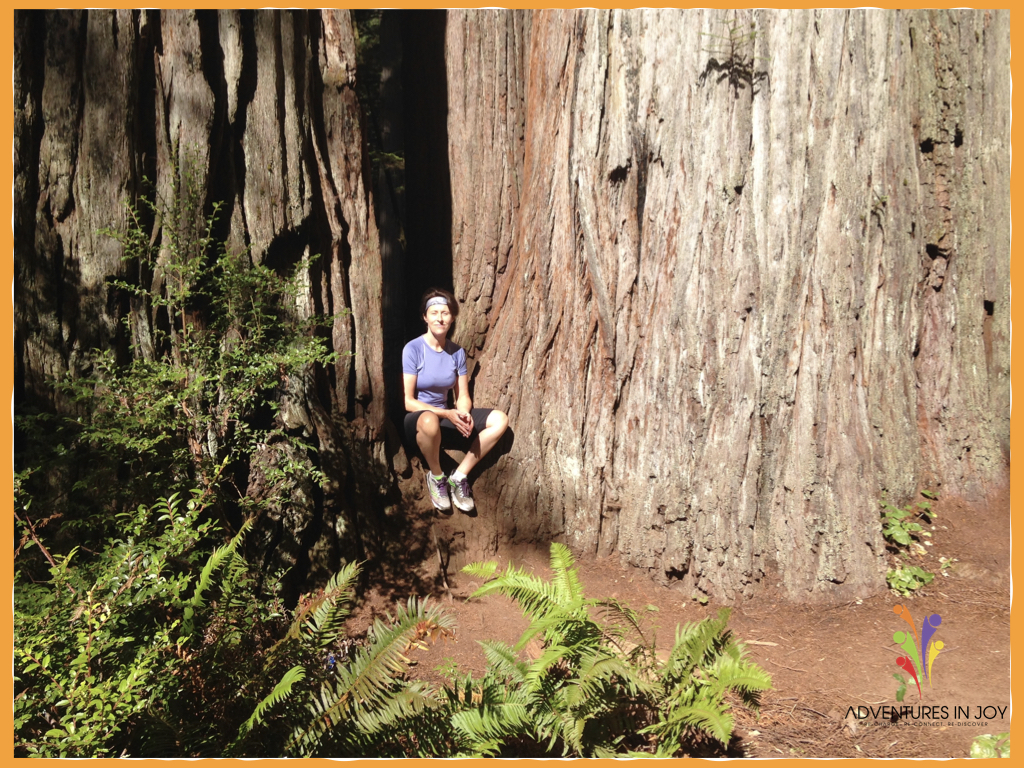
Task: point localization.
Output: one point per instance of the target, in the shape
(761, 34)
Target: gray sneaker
(438, 490)
(460, 494)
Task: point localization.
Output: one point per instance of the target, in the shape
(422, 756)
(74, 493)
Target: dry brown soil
(823, 659)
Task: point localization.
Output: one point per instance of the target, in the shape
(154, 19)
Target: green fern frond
(237, 576)
(281, 692)
(744, 677)
(696, 642)
(322, 617)
(591, 683)
(712, 718)
(319, 618)
(488, 726)
(535, 596)
(566, 578)
(539, 684)
(406, 702)
(569, 625)
(411, 723)
(502, 661)
(623, 622)
(571, 733)
(216, 559)
(483, 570)
(601, 670)
(369, 681)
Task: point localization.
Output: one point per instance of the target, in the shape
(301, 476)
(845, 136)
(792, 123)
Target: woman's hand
(462, 420)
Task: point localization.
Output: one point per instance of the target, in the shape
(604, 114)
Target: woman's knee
(497, 419)
(428, 424)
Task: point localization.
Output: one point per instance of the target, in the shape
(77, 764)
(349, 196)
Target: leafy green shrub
(904, 580)
(900, 527)
(224, 337)
(902, 531)
(991, 745)
(598, 687)
(139, 629)
(128, 654)
(215, 340)
(104, 641)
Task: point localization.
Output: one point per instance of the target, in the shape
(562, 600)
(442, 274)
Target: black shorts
(450, 435)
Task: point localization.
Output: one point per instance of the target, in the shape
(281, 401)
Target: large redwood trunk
(262, 104)
(749, 275)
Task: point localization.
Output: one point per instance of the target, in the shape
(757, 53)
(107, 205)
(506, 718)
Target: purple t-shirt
(435, 372)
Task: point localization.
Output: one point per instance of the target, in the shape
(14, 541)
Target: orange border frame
(7, 278)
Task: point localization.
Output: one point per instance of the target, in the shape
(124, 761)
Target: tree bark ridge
(722, 333)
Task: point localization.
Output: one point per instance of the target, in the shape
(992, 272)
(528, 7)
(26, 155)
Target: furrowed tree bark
(72, 101)
(758, 279)
(262, 105)
(487, 56)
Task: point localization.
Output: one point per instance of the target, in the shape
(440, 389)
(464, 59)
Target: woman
(432, 366)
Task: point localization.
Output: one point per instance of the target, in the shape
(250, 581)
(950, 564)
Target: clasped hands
(462, 420)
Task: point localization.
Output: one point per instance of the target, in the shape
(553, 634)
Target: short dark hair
(453, 305)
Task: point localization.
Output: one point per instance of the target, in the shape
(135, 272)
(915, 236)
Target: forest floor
(823, 659)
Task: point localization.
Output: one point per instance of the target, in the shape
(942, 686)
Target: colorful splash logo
(920, 650)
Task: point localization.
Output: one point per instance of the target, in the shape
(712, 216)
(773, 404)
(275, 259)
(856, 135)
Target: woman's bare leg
(497, 423)
(428, 438)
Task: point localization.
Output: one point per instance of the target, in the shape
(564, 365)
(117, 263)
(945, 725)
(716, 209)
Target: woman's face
(438, 319)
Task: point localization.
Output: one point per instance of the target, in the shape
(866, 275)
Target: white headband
(436, 300)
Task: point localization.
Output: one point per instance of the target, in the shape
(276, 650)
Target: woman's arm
(463, 402)
(461, 416)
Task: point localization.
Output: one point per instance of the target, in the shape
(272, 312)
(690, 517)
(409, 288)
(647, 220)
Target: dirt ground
(823, 659)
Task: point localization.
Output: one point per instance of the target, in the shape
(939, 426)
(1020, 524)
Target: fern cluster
(102, 650)
(598, 687)
(140, 661)
(157, 650)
